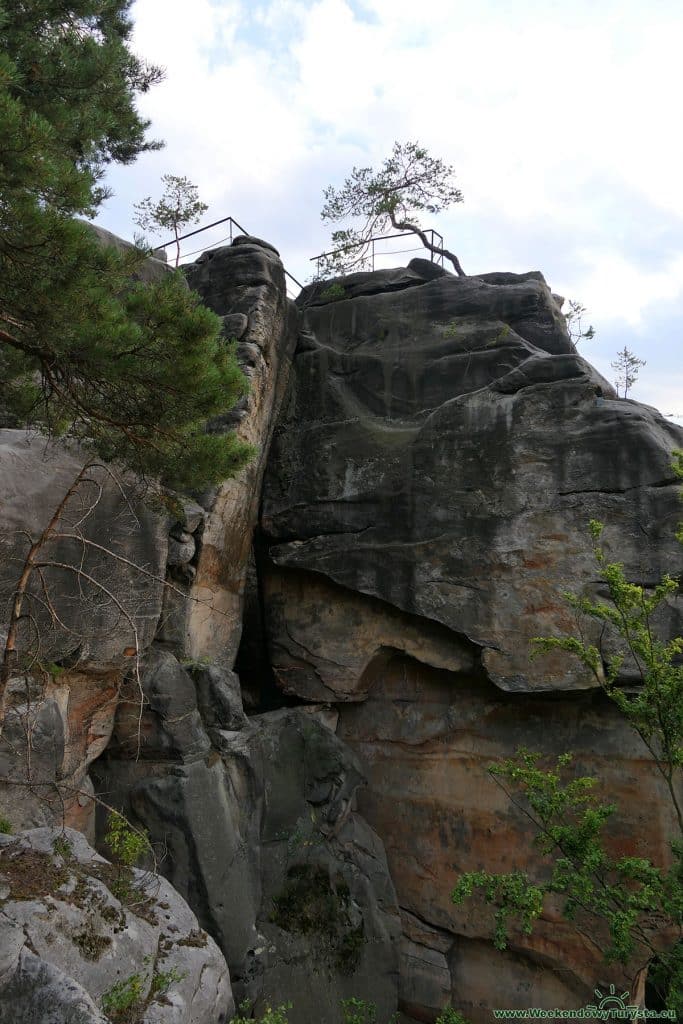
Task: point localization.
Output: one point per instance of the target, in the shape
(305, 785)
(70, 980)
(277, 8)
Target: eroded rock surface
(439, 454)
(443, 448)
(427, 737)
(274, 796)
(329, 911)
(245, 284)
(92, 604)
(67, 940)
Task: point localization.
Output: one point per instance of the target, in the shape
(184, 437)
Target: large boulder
(71, 951)
(98, 590)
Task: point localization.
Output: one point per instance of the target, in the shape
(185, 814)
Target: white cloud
(559, 119)
(614, 289)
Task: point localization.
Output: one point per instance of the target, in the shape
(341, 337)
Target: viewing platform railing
(374, 252)
(233, 229)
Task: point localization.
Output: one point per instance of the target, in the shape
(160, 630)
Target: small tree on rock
(408, 183)
(627, 366)
(574, 318)
(179, 205)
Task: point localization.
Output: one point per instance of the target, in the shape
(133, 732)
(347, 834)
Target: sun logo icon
(614, 1005)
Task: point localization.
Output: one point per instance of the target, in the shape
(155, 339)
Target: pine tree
(627, 366)
(132, 370)
(179, 205)
(408, 183)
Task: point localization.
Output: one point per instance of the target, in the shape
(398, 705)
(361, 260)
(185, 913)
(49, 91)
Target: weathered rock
(37, 991)
(208, 819)
(234, 828)
(119, 548)
(308, 826)
(425, 985)
(328, 643)
(69, 718)
(235, 325)
(96, 599)
(369, 283)
(247, 280)
(67, 940)
(181, 549)
(443, 447)
(260, 243)
(219, 698)
(192, 515)
(439, 454)
(427, 738)
(159, 717)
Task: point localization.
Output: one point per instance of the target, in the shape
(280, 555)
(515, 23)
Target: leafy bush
(127, 844)
(278, 1015)
(332, 293)
(162, 980)
(450, 1016)
(123, 998)
(358, 1011)
(62, 847)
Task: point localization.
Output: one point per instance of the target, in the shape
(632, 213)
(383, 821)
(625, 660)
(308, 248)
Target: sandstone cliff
(440, 452)
(430, 451)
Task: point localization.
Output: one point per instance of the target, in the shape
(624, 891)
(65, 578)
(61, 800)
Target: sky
(561, 121)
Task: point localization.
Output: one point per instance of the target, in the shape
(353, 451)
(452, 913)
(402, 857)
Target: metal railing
(370, 256)
(232, 224)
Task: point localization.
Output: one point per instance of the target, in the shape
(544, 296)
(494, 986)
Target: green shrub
(358, 1011)
(62, 847)
(332, 293)
(450, 1016)
(127, 844)
(123, 998)
(271, 1016)
(162, 980)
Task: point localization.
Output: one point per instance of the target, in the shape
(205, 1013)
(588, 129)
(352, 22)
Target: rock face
(67, 941)
(440, 448)
(328, 910)
(241, 806)
(92, 604)
(245, 284)
(248, 816)
(272, 804)
(439, 454)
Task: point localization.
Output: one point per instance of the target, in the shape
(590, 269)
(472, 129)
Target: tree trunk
(407, 226)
